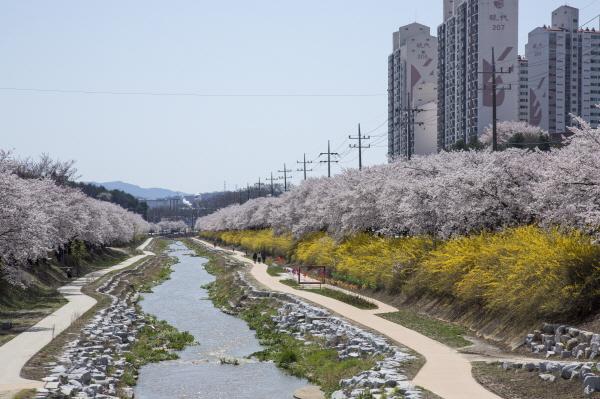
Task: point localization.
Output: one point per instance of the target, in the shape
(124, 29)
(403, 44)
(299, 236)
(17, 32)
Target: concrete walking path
(16, 352)
(447, 373)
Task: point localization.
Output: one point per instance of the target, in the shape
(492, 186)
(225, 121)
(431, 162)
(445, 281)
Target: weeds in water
(156, 342)
(229, 361)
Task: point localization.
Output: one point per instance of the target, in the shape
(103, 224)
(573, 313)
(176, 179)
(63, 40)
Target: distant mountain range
(141, 192)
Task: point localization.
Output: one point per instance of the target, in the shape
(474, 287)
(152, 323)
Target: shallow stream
(198, 373)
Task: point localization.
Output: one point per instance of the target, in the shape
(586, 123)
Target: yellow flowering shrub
(255, 240)
(267, 241)
(525, 270)
(317, 249)
(381, 261)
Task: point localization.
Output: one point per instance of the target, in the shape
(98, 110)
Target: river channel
(198, 373)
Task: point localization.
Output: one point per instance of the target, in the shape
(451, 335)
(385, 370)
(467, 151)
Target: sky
(155, 51)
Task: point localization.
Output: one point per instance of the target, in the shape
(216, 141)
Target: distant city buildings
(564, 72)
(559, 76)
(168, 203)
(412, 92)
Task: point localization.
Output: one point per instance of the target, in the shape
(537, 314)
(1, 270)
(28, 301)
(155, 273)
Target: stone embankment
(92, 364)
(310, 323)
(566, 343)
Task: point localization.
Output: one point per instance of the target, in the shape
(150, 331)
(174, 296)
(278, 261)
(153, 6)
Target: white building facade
(564, 72)
(412, 93)
(472, 28)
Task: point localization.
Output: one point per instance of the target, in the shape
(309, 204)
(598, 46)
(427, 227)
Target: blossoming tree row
(443, 195)
(39, 215)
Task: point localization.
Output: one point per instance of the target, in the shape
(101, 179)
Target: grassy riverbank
(156, 341)
(319, 365)
(21, 308)
(314, 362)
(447, 333)
(351, 299)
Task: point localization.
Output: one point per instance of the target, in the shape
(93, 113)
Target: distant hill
(141, 192)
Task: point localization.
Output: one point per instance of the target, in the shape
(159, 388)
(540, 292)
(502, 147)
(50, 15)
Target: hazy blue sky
(218, 47)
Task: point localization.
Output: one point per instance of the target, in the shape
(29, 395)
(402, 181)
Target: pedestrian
(260, 257)
(254, 257)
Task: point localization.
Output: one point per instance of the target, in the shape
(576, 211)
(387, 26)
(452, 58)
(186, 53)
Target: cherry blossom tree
(444, 195)
(39, 215)
(517, 134)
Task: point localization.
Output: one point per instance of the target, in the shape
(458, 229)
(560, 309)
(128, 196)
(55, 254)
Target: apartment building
(564, 72)
(412, 93)
(466, 38)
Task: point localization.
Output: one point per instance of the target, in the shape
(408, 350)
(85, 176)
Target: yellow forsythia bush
(526, 271)
(317, 249)
(381, 262)
(255, 241)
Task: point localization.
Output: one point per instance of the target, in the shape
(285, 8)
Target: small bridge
(179, 235)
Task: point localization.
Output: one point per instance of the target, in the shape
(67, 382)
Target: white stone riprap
(312, 324)
(568, 344)
(91, 365)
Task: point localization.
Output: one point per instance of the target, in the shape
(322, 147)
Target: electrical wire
(183, 94)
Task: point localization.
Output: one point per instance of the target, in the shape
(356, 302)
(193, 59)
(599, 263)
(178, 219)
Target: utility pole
(259, 186)
(272, 179)
(248, 188)
(409, 115)
(329, 161)
(495, 89)
(304, 162)
(360, 147)
(285, 172)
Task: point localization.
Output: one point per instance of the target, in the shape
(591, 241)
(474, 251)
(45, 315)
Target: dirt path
(16, 352)
(447, 373)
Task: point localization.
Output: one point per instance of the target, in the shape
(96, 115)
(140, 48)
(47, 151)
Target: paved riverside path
(16, 352)
(447, 373)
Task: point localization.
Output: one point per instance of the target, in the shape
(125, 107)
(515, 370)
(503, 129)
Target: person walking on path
(254, 257)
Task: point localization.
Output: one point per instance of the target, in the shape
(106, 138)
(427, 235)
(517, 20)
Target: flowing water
(198, 373)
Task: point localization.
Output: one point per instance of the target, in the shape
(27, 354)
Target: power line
(378, 127)
(183, 94)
